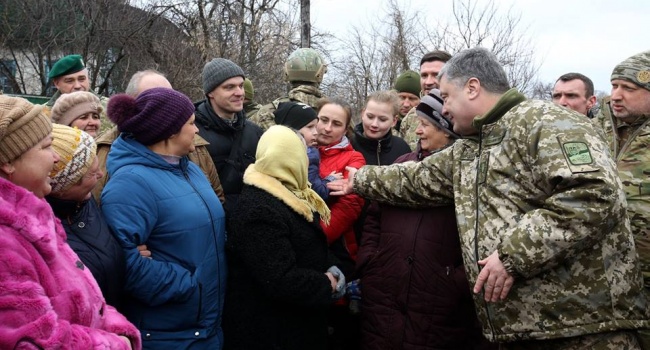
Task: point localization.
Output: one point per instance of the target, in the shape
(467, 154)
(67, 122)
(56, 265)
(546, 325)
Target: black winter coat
(89, 236)
(232, 147)
(278, 294)
(379, 152)
(415, 294)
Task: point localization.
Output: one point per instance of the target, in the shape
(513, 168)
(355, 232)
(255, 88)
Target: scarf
(280, 169)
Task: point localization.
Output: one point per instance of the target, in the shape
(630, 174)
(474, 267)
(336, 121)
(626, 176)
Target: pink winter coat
(48, 298)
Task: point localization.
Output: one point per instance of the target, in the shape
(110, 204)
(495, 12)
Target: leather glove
(340, 284)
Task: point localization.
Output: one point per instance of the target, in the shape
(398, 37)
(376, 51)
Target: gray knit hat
(430, 107)
(635, 69)
(217, 71)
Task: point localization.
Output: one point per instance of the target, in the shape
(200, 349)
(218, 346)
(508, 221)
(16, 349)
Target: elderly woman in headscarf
(49, 298)
(281, 278)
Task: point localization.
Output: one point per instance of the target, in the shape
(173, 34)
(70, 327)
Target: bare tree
(305, 24)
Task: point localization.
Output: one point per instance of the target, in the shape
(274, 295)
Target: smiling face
(629, 101)
(332, 124)
(89, 122)
(73, 82)
(227, 99)
(457, 106)
(431, 137)
(32, 169)
(81, 190)
(377, 119)
(429, 75)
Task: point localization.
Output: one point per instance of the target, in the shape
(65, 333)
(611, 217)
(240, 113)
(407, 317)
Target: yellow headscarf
(280, 169)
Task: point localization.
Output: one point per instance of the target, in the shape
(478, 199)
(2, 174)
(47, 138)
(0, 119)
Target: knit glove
(354, 293)
(340, 285)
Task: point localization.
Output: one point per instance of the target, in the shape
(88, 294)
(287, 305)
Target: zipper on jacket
(476, 219)
(379, 152)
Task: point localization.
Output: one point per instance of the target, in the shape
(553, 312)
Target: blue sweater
(176, 297)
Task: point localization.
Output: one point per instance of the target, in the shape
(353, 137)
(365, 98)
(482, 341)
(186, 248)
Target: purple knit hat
(155, 115)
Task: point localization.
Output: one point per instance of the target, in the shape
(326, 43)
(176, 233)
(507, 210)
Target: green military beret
(635, 69)
(67, 65)
(248, 89)
(408, 81)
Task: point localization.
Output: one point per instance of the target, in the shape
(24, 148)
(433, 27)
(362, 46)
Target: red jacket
(345, 209)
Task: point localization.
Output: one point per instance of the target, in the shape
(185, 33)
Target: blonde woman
(79, 109)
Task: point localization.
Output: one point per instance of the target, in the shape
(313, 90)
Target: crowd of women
(152, 265)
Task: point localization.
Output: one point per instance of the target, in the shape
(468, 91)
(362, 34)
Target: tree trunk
(305, 24)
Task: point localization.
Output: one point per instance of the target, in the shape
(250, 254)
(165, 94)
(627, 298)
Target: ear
(395, 119)
(473, 88)
(591, 101)
(8, 168)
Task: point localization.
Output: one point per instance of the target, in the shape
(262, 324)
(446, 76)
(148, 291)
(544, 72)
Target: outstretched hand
(495, 278)
(343, 186)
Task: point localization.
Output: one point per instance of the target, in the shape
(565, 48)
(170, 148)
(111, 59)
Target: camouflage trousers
(623, 340)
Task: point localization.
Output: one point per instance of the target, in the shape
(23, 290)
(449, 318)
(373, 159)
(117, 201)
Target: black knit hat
(430, 107)
(217, 71)
(294, 115)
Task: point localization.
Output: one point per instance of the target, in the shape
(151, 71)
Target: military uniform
(538, 185)
(407, 129)
(306, 94)
(251, 109)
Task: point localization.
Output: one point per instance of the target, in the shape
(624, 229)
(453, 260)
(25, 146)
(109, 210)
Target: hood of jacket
(127, 151)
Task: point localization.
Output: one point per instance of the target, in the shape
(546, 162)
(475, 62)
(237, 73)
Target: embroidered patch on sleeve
(577, 153)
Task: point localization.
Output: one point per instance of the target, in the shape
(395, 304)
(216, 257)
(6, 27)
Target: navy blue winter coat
(176, 297)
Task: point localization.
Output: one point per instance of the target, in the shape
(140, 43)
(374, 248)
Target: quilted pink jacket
(48, 298)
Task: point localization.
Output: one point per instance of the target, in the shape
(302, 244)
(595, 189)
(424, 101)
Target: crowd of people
(457, 214)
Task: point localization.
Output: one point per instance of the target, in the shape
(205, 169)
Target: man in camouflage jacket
(304, 70)
(540, 209)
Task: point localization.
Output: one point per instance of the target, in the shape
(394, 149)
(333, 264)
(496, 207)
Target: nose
(563, 101)
(56, 157)
(616, 93)
(196, 129)
(418, 130)
(99, 174)
(239, 90)
(445, 112)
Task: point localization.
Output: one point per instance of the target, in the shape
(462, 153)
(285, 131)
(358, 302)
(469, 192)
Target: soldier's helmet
(305, 64)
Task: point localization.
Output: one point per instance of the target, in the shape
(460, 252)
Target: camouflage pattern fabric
(601, 341)
(251, 109)
(537, 184)
(632, 158)
(407, 129)
(635, 69)
(303, 93)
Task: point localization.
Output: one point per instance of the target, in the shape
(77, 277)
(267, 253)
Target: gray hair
(476, 63)
(132, 86)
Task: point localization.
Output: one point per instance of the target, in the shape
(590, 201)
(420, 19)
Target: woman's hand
(144, 251)
(333, 280)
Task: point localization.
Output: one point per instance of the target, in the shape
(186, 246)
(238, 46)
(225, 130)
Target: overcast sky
(589, 37)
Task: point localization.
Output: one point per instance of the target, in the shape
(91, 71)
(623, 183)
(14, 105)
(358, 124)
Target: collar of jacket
(209, 118)
(64, 208)
(371, 144)
(507, 101)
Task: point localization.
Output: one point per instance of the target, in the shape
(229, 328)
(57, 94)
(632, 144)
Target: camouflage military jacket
(302, 93)
(538, 185)
(633, 161)
(251, 109)
(407, 129)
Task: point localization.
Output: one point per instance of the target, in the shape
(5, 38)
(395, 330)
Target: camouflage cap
(635, 69)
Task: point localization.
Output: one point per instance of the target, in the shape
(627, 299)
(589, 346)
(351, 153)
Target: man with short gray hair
(541, 214)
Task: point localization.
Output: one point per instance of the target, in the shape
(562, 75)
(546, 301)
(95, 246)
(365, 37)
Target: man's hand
(496, 279)
(144, 252)
(343, 186)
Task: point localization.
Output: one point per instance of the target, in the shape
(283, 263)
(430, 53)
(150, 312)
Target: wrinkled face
(429, 75)
(184, 140)
(457, 107)
(629, 101)
(332, 124)
(572, 94)
(227, 99)
(82, 189)
(406, 102)
(89, 122)
(73, 82)
(431, 137)
(377, 119)
(32, 169)
(309, 132)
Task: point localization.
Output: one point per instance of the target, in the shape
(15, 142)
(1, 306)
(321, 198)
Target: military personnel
(70, 74)
(251, 108)
(430, 65)
(625, 120)
(574, 91)
(408, 89)
(304, 70)
(541, 214)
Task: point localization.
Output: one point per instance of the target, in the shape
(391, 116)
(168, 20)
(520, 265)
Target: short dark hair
(435, 55)
(477, 63)
(589, 85)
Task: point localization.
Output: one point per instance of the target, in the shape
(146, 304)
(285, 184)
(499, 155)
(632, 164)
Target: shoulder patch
(577, 152)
